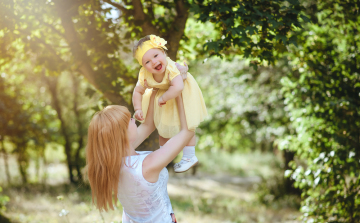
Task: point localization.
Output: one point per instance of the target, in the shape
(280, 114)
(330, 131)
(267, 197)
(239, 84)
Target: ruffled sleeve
(142, 76)
(172, 69)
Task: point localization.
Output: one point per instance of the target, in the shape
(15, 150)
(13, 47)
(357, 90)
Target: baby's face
(154, 61)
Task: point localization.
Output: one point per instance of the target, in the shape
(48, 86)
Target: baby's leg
(189, 159)
(189, 149)
(162, 140)
(192, 142)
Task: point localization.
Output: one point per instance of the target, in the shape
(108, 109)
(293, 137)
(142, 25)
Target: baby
(160, 72)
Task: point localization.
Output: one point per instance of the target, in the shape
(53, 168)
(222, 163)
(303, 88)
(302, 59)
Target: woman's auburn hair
(107, 144)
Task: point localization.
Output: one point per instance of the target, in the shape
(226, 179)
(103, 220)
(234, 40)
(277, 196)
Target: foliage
(195, 34)
(258, 29)
(67, 35)
(245, 106)
(24, 120)
(271, 191)
(323, 100)
(3, 200)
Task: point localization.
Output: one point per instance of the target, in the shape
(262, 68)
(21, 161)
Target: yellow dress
(166, 118)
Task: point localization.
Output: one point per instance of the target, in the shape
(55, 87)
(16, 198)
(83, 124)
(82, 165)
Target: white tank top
(142, 201)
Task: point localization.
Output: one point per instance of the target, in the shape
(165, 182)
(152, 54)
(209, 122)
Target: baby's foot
(185, 164)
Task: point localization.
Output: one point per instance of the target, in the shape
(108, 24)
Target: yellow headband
(154, 42)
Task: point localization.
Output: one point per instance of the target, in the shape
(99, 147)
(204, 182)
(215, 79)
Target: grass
(223, 190)
(239, 164)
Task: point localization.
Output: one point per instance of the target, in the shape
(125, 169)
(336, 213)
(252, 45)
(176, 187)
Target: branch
(150, 9)
(182, 13)
(176, 32)
(46, 45)
(118, 6)
(52, 28)
(80, 57)
(181, 9)
(138, 10)
(50, 49)
(143, 19)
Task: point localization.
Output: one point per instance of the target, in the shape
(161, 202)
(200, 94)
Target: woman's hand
(146, 84)
(183, 70)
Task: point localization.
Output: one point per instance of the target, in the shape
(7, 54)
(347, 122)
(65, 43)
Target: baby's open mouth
(158, 67)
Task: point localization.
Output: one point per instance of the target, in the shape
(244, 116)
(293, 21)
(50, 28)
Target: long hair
(107, 144)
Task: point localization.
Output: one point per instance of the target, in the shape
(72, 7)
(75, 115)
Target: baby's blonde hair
(108, 144)
(139, 43)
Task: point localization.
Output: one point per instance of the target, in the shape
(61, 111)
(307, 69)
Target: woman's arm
(146, 128)
(157, 160)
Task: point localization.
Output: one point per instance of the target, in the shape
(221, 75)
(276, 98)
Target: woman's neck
(132, 151)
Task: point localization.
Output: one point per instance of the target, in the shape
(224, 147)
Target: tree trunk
(289, 183)
(80, 127)
(78, 161)
(174, 35)
(44, 176)
(52, 85)
(5, 155)
(23, 162)
(40, 152)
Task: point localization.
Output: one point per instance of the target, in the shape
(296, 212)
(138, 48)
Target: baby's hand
(161, 101)
(139, 115)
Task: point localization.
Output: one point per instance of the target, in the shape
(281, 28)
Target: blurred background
(281, 80)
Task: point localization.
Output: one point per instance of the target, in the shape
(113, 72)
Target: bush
(323, 100)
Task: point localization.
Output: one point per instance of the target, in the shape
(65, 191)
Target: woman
(137, 179)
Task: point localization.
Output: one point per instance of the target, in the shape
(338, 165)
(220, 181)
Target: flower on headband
(154, 42)
(157, 41)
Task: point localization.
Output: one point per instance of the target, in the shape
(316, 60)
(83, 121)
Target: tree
(22, 123)
(256, 29)
(81, 38)
(80, 33)
(323, 100)
(72, 108)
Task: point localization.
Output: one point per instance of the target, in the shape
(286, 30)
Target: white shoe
(185, 164)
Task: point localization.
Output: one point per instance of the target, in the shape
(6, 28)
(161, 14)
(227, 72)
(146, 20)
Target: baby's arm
(175, 89)
(139, 90)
